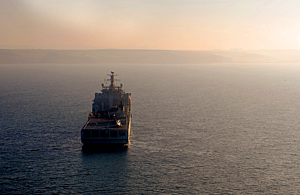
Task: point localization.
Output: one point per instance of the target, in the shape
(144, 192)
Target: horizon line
(232, 49)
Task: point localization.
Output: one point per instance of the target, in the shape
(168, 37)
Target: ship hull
(104, 141)
(106, 135)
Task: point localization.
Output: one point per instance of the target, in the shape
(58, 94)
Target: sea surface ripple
(197, 129)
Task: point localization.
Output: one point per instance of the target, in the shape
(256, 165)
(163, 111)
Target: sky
(150, 24)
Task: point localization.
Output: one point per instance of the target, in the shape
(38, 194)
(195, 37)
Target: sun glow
(189, 25)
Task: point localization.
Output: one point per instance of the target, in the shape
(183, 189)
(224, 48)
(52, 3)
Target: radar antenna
(112, 79)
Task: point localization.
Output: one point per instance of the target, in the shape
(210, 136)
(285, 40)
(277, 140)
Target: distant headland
(107, 56)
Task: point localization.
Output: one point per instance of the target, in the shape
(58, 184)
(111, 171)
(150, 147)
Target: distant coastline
(107, 56)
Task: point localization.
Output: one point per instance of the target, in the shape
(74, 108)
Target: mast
(112, 80)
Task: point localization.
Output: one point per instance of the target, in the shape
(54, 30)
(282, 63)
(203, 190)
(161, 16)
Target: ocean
(196, 129)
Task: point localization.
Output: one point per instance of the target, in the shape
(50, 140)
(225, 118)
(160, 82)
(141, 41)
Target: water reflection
(105, 169)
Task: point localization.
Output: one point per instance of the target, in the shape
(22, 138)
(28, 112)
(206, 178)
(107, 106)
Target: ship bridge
(112, 98)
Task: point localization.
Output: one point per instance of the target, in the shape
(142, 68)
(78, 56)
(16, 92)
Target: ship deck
(105, 123)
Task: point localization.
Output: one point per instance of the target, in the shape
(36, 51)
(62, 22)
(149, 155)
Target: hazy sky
(150, 24)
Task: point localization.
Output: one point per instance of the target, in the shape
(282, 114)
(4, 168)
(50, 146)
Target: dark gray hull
(102, 131)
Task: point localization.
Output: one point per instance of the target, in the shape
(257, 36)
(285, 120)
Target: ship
(110, 119)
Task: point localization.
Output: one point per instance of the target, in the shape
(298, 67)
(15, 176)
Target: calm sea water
(197, 129)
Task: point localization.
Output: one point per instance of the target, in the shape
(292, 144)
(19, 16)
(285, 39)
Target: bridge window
(95, 134)
(113, 133)
(87, 134)
(103, 134)
(122, 133)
